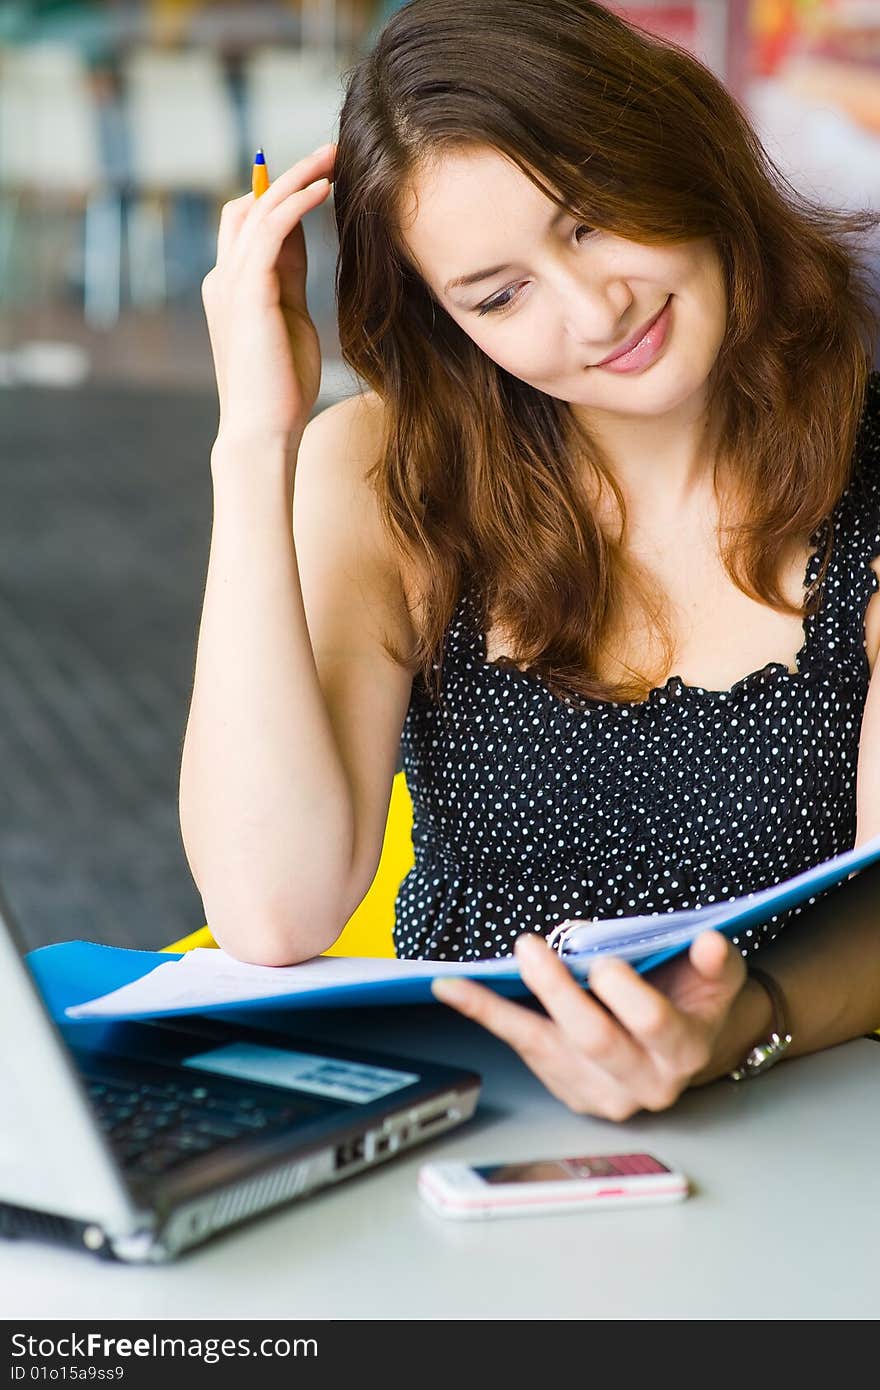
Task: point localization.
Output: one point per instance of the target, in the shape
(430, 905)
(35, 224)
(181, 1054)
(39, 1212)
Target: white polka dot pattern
(528, 809)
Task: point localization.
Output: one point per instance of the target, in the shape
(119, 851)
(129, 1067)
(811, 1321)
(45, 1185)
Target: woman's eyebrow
(477, 275)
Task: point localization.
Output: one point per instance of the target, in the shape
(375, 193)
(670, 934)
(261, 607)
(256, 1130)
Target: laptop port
(383, 1144)
(352, 1151)
(428, 1121)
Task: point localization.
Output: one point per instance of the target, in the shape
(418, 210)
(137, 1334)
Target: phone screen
(571, 1169)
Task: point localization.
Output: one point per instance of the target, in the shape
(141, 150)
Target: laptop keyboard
(155, 1125)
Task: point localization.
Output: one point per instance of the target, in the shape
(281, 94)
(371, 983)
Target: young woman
(599, 543)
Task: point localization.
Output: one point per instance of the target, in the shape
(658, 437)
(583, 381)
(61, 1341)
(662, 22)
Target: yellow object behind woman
(368, 932)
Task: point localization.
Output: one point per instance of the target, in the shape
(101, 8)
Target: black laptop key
(129, 1152)
(157, 1161)
(187, 1142)
(254, 1120)
(174, 1149)
(139, 1132)
(153, 1126)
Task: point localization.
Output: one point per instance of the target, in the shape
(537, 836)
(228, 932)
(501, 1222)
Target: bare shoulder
(356, 612)
(345, 438)
(337, 508)
(339, 448)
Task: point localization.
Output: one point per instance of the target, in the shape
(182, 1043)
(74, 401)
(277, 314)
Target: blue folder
(75, 972)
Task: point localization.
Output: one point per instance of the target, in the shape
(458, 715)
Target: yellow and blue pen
(259, 174)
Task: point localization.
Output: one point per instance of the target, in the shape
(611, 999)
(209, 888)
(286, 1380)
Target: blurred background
(124, 125)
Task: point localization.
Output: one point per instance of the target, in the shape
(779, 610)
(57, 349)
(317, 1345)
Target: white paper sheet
(210, 976)
(634, 938)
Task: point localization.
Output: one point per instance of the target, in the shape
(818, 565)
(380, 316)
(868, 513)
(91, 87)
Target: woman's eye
(505, 298)
(501, 301)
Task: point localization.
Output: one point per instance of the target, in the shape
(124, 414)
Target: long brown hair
(481, 478)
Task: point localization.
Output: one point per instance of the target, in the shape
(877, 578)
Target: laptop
(137, 1140)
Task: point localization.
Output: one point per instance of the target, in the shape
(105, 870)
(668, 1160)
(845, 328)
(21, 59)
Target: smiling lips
(641, 349)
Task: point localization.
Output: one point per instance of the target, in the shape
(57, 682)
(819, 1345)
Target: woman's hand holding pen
(629, 1044)
(267, 356)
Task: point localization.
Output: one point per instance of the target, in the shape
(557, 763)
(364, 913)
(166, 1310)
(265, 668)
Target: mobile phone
(473, 1191)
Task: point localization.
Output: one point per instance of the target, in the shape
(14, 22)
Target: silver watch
(765, 1055)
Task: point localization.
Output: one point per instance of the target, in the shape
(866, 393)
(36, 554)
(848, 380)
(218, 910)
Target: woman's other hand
(628, 1044)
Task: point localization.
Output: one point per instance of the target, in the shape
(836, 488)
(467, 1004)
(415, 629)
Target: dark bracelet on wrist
(766, 1054)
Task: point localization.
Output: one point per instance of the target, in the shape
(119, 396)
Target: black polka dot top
(528, 810)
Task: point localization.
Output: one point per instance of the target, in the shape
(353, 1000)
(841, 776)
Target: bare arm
(827, 963)
(297, 710)
(636, 1043)
(260, 763)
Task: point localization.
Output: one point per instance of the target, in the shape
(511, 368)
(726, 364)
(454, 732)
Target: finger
(313, 166)
(595, 1033)
(718, 961)
(584, 1087)
(664, 1033)
(262, 242)
(238, 211)
(522, 1029)
(293, 262)
(232, 216)
(537, 1041)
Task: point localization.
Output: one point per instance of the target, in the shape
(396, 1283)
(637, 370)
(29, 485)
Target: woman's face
(561, 296)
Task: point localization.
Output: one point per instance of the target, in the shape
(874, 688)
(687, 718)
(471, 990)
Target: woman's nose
(595, 319)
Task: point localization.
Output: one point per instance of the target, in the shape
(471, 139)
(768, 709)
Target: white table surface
(784, 1221)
